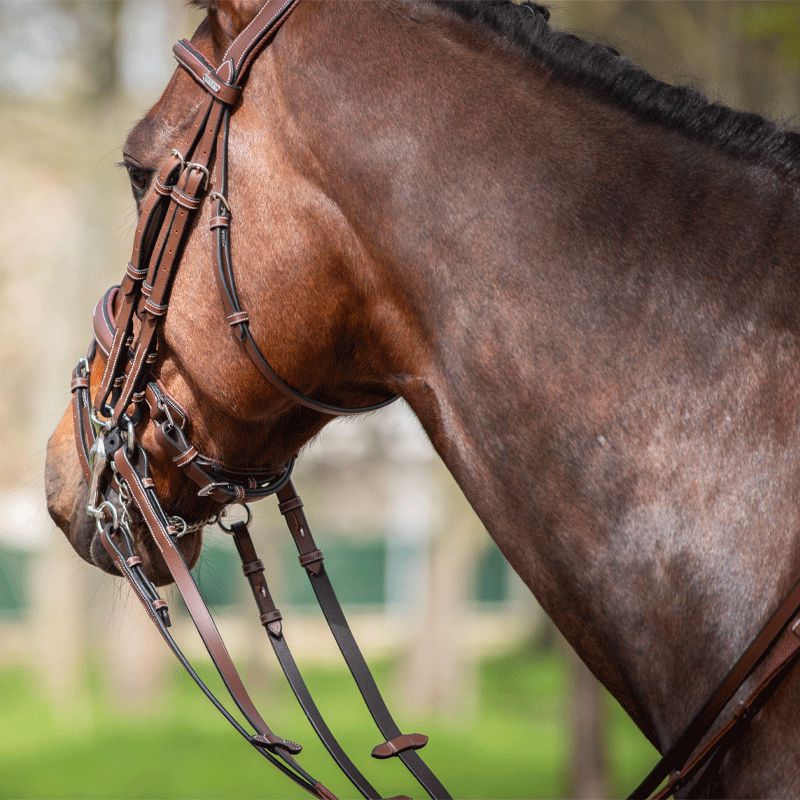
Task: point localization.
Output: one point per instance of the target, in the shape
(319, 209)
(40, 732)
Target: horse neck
(595, 321)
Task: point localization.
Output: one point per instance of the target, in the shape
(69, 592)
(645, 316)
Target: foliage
(514, 746)
(775, 25)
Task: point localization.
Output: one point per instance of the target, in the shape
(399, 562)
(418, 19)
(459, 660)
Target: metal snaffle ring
(98, 513)
(229, 529)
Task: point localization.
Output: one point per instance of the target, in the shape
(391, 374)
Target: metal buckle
(222, 199)
(163, 406)
(205, 491)
(131, 436)
(190, 165)
(177, 153)
(99, 424)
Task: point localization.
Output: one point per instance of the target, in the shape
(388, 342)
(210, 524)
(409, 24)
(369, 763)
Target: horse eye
(139, 177)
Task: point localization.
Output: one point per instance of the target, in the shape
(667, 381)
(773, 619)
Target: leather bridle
(108, 421)
(127, 322)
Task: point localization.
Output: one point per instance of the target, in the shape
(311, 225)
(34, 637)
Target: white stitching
(256, 37)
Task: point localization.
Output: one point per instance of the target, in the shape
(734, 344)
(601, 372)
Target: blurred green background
(90, 704)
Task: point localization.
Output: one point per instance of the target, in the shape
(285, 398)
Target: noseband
(108, 422)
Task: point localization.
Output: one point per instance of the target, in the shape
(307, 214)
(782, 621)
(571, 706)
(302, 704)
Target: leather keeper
(237, 318)
(133, 561)
(148, 483)
(393, 747)
(249, 567)
(79, 382)
(271, 616)
(158, 604)
(184, 458)
(135, 274)
(184, 200)
(270, 741)
(310, 559)
(292, 504)
(219, 222)
(154, 308)
(271, 620)
(161, 188)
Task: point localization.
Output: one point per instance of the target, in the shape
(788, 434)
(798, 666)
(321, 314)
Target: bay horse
(583, 281)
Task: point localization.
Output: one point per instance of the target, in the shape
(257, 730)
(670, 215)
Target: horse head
(296, 263)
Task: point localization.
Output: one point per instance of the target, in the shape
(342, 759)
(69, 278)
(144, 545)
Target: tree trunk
(588, 778)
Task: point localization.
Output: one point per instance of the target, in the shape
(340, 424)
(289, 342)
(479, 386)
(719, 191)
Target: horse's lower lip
(100, 558)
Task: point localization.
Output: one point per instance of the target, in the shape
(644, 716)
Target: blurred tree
(774, 26)
(98, 21)
(588, 766)
(745, 54)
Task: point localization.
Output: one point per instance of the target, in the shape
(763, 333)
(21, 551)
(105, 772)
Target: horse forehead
(173, 113)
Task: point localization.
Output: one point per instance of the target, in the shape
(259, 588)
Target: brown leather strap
(190, 185)
(270, 617)
(150, 217)
(153, 517)
(680, 753)
(777, 666)
(246, 46)
(194, 63)
(292, 508)
(194, 602)
(81, 409)
(131, 569)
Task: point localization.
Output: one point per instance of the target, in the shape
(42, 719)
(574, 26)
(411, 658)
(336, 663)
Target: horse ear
(228, 17)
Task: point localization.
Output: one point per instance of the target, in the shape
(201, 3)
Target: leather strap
(151, 513)
(270, 617)
(674, 761)
(145, 591)
(292, 508)
(150, 218)
(221, 482)
(393, 747)
(194, 63)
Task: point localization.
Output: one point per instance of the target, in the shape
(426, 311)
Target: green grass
(513, 746)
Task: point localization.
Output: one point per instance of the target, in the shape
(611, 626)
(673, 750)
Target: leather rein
(126, 325)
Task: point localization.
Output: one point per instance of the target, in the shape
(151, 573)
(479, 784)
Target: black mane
(612, 78)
